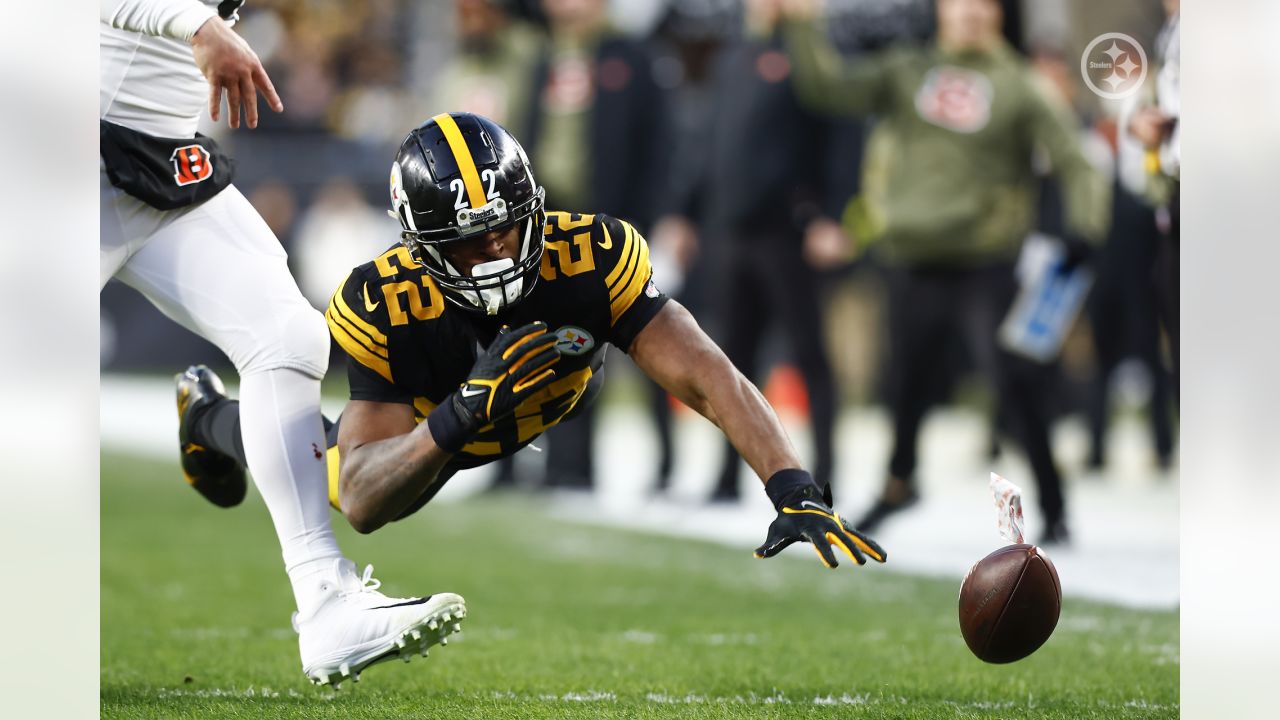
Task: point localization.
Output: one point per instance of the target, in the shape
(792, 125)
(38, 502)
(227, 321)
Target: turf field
(570, 621)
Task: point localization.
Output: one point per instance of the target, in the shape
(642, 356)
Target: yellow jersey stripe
(365, 326)
(335, 316)
(356, 349)
(462, 155)
(626, 255)
(638, 248)
(641, 278)
(482, 448)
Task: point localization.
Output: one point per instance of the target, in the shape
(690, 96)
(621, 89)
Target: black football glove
(516, 365)
(805, 514)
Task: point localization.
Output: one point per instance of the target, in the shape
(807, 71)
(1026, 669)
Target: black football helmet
(457, 176)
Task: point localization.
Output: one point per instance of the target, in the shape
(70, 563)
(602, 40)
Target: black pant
(1123, 315)
(768, 284)
(1166, 280)
(570, 457)
(663, 422)
(925, 307)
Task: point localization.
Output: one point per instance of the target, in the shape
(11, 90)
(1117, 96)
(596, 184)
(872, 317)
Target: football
(1009, 603)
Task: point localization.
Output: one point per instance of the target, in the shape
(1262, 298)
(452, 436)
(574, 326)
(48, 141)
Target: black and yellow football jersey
(406, 344)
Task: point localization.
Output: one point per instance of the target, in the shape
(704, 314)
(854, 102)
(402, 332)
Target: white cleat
(354, 626)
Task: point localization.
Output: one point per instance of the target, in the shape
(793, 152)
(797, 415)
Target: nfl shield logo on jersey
(573, 340)
(191, 164)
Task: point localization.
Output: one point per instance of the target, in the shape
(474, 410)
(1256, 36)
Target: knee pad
(297, 339)
(305, 337)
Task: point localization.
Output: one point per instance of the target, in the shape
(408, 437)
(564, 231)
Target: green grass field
(575, 621)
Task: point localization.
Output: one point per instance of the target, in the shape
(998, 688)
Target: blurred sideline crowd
(841, 202)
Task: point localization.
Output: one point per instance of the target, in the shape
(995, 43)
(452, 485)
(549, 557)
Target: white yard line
(660, 698)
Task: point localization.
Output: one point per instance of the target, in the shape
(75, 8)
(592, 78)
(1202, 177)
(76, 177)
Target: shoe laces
(368, 583)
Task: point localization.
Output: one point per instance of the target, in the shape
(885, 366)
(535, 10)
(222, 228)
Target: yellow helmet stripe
(462, 155)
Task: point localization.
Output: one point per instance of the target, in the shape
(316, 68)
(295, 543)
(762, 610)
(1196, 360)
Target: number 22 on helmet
(457, 177)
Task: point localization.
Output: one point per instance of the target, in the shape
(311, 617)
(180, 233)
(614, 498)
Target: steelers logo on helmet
(459, 176)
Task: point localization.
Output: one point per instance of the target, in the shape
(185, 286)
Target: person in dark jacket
(965, 115)
(777, 180)
(595, 131)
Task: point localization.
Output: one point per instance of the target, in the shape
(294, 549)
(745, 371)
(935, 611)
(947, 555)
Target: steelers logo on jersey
(573, 340)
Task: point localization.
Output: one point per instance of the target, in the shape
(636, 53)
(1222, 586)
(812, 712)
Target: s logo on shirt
(956, 99)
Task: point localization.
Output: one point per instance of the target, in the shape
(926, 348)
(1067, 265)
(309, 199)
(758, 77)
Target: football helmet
(458, 176)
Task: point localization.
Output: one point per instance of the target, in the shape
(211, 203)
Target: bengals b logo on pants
(191, 164)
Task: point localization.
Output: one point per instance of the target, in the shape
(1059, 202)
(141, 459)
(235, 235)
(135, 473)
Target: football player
(486, 325)
(171, 225)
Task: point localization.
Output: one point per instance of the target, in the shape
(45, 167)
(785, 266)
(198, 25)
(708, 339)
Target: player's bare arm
(678, 355)
(387, 460)
(230, 65)
(674, 351)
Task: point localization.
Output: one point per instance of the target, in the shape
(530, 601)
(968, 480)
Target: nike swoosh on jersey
(606, 243)
(368, 305)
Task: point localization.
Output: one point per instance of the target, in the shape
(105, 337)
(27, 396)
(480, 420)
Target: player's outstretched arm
(674, 351)
(678, 355)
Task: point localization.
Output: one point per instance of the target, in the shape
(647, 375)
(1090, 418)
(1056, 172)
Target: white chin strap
(494, 299)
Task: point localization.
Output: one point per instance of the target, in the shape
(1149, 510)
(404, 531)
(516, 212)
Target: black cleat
(216, 476)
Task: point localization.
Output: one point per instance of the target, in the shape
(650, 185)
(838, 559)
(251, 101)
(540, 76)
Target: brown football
(1009, 603)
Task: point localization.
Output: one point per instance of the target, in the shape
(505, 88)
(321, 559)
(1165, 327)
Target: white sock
(285, 445)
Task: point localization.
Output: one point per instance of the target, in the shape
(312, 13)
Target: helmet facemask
(492, 286)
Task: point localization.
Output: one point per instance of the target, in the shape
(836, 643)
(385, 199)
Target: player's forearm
(722, 395)
(752, 427)
(176, 19)
(678, 355)
(381, 479)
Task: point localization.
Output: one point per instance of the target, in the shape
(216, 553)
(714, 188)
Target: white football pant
(219, 271)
